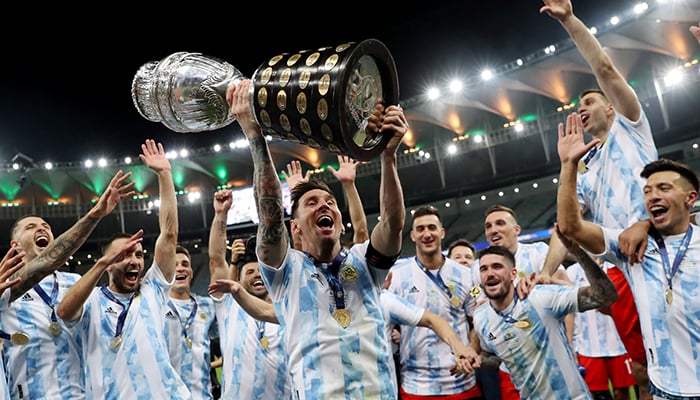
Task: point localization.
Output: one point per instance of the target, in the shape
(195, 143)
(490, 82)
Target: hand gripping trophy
(321, 98)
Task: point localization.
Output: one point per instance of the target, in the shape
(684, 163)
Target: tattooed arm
(272, 237)
(64, 246)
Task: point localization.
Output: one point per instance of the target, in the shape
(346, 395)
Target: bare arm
(218, 267)
(346, 174)
(272, 234)
(601, 292)
(386, 236)
(571, 148)
(164, 254)
(610, 80)
(60, 249)
(464, 355)
(71, 307)
(254, 306)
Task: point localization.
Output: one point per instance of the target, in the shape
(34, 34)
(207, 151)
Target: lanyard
(122, 315)
(670, 270)
(50, 301)
(438, 281)
(331, 274)
(190, 318)
(261, 328)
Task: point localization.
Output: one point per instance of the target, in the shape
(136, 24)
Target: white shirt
(326, 360)
(425, 359)
(539, 358)
(140, 367)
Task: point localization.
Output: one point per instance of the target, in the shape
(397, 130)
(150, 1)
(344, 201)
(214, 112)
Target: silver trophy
(323, 98)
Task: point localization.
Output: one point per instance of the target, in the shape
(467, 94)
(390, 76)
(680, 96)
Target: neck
(325, 254)
(180, 295)
(502, 303)
(676, 229)
(432, 261)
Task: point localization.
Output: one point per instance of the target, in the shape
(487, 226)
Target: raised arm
(154, 157)
(254, 306)
(218, 267)
(346, 174)
(610, 80)
(386, 235)
(571, 148)
(273, 238)
(60, 249)
(71, 307)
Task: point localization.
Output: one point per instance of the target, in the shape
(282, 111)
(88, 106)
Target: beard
(501, 294)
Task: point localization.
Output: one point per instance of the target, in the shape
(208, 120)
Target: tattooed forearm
(601, 292)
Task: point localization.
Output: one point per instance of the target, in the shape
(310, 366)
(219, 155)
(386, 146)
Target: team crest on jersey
(349, 273)
(475, 291)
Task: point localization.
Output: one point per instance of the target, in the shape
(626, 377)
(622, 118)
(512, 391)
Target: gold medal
(188, 342)
(19, 338)
(669, 295)
(342, 316)
(115, 343)
(203, 316)
(475, 291)
(54, 328)
(455, 301)
(264, 343)
(521, 274)
(582, 167)
(523, 324)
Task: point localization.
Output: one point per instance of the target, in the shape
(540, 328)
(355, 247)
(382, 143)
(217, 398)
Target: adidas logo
(316, 276)
(110, 310)
(170, 315)
(491, 336)
(27, 297)
(414, 290)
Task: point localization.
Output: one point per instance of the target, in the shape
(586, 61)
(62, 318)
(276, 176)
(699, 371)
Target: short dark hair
(15, 225)
(499, 251)
(426, 210)
(664, 164)
(302, 188)
(586, 92)
(118, 235)
(182, 250)
(460, 242)
(500, 207)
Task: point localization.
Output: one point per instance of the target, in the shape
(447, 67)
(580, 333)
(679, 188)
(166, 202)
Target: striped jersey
(327, 360)
(139, 368)
(671, 332)
(48, 365)
(398, 311)
(425, 360)
(250, 371)
(611, 188)
(190, 355)
(538, 356)
(595, 333)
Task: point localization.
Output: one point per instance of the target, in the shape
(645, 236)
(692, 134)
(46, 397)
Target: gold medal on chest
(522, 324)
(54, 328)
(342, 316)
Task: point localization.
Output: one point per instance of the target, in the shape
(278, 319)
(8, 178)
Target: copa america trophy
(322, 98)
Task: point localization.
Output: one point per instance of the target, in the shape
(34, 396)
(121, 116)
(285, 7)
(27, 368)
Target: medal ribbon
(50, 301)
(125, 310)
(4, 335)
(509, 316)
(670, 270)
(190, 318)
(435, 278)
(331, 274)
(261, 328)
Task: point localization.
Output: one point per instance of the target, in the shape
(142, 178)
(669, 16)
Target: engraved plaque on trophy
(322, 98)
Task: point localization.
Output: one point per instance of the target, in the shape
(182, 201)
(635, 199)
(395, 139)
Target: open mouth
(496, 238)
(42, 241)
(658, 211)
(132, 275)
(258, 284)
(180, 277)
(324, 221)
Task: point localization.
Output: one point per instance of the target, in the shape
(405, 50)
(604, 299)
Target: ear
(692, 198)
(610, 110)
(413, 238)
(442, 233)
(16, 244)
(518, 229)
(295, 228)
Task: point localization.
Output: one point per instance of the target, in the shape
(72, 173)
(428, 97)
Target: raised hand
(347, 168)
(571, 145)
(557, 9)
(117, 190)
(223, 286)
(154, 157)
(9, 265)
(294, 176)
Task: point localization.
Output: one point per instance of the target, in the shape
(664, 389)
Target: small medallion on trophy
(265, 118)
(341, 48)
(342, 316)
(322, 109)
(286, 125)
(331, 61)
(311, 59)
(313, 143)
(54, 328)
(305, 126)
(293, 59)
(262, 97)
(327, 133)
(115, 343)
(266, 75)
(285, 76)
(282, 100)
(324, 84)
(274, 60)
(304, 78)
(19, 338)
(301, 104)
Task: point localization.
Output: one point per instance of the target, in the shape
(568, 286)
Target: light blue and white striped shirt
(326, 360)
(193, 363)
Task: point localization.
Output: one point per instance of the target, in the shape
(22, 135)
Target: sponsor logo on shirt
(110, 310)
(27, 297)
(491, 336)
(170, 315)
(414, 290)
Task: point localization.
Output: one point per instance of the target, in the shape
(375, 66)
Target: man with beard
(188, 320)
(254, 361)
(440, 285)
(526, 334)
(120, 325)
(337, 348)
(40, 355)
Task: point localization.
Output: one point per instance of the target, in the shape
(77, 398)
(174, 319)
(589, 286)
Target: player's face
(252, 281)
(318, 218)
(497, 274)
(668, 198)
(595, 111)
(427, 232)
(183, 273)
(31, 235)
(125, 275)
(463, 255)
(501, 229)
